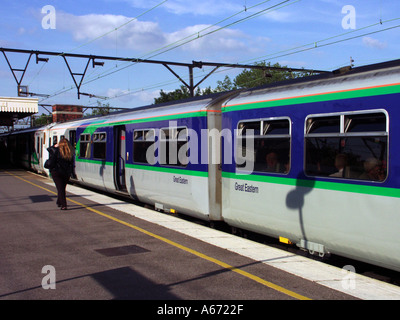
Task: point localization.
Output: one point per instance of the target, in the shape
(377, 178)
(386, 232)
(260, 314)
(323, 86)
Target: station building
(13, 109)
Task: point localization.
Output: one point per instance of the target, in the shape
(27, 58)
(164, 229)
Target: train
(312, 161)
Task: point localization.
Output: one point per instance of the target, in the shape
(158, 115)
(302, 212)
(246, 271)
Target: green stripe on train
(334, 186)
(357, 93)
(149, 168)
(169, 170)
(102, 124)
(325, 185)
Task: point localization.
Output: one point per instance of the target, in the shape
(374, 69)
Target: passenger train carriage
(313, 161)
(305, 198)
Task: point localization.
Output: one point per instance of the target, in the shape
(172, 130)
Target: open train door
(119, 158)
(39, 149)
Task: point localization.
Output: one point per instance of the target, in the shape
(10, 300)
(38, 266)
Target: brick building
(65, 112)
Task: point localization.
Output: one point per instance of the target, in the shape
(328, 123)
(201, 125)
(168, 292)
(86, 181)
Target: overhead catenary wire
(320, 43)
(196, 36)
(312, 45)
(291, 51)
(315, 44)
(113, 70)
(105, 34)
(278, 56)
(181, 42)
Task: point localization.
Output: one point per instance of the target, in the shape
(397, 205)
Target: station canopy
(13, 109)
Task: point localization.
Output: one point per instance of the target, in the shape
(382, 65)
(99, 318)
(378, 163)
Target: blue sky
(296, 33)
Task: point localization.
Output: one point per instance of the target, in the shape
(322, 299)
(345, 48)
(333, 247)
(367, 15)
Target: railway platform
(103, 248)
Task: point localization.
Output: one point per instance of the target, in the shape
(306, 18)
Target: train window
(182, 134)
(99, 145)
(246, 127)
(358, 151)
(38, 145)
(72, 138)
(142, 140)
(172, 142)
(323, 125)
(271, 145)
(371, 122)
(149, 135)
(138, 135)
(276, 127)
(84, 151)
(54, 140)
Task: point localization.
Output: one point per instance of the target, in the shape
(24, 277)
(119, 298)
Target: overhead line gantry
(96, 60)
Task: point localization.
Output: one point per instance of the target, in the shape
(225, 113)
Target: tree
(179, 94)
(256, 77)
(225, 85)
(246, 79)
(42, 120)
(102, 109)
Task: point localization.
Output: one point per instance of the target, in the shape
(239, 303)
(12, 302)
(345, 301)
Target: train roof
(341, 79)
(344, 79)
(200, 103)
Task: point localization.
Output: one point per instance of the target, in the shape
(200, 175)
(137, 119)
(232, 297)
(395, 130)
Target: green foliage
(246, 79)
(42, 120)
(225, 85)
(256, 77)
(102, 109)
(179, 94)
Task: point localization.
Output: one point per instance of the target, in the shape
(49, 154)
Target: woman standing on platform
(61, 166)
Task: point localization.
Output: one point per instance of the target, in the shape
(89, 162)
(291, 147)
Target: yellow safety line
(177, 245)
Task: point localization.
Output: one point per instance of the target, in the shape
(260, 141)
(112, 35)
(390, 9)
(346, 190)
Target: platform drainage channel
(41, 198)
(121, 251)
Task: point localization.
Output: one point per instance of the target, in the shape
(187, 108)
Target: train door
(38, 154)
(39, 147)
(31, 150)
(119, 158)
(72, 140)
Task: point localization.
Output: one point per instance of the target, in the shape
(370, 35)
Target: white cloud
(137, 35)
(205, 7)
(145, 36)
(279, 16)
(116, 92)
(125, 96)
(147, 97)
(211, 8)
(197, 39)
(373, 43)
(195, 7)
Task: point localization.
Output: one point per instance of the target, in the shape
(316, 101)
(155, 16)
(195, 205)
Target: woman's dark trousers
(60, 181)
